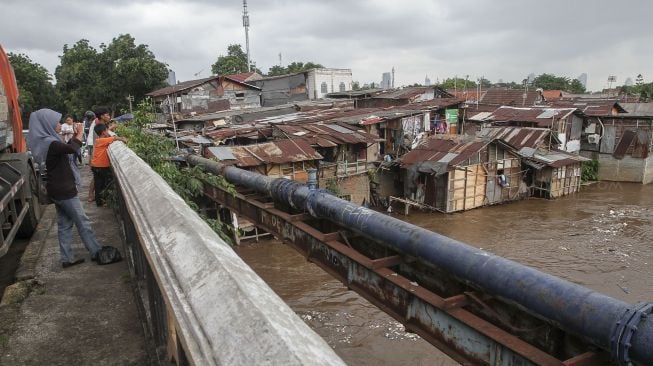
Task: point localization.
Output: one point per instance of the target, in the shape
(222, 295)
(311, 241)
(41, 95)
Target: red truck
(20, 210)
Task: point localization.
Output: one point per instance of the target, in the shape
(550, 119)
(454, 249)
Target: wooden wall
(565, 180)
(477, 185)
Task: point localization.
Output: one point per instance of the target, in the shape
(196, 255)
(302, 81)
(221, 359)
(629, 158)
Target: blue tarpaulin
(125, 117)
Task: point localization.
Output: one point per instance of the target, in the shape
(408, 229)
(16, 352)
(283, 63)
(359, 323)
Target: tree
(485, 83)
(551, 82)
(458, 83)
(34, 85)
(576, 87)
(276, 70)
(292, 68)
(355, 85)
(639, 80)
(87, 77)
(133, 70)
(234, 62)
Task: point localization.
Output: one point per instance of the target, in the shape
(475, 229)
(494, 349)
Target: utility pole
(130, 98)
(280, 63)
(246, 25)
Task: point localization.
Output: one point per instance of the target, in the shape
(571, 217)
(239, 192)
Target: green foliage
(89, 77)
(157, 152)
(590, 171)
(642, 90)
(234, 62)
(293, 68)
(552, 82)
(576, 87)
(355, 85)
(34, 85)
(458, 83)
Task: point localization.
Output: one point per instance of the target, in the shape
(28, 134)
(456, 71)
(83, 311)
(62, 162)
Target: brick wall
(355, 186)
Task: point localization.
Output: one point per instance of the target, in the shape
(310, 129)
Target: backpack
(108, 255)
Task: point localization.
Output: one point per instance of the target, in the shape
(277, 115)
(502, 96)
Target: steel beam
(619, 328)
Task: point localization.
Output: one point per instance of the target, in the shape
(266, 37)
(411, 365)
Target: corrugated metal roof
(638, 109)
(591, 107)
(242, 77)
(480, 117)
(540, 117)
(451, 150)
(551, 158)
(339, 128)
(197, 140)
(276, 152)
(514, 97)
(337, 134)
(222, 152)
(181, 86)
(519, 137)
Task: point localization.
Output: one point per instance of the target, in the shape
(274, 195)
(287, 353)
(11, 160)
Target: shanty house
(620, 141)
(403, 96)
(566, 123)
(305, 85)
(457, 173)
(348, 154)
(547, 171)
(283, 158)
(511, 97)
(211, 94)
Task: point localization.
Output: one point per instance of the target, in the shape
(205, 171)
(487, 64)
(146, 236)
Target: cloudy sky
(500, 39)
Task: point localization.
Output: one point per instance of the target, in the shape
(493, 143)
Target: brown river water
(601, 238)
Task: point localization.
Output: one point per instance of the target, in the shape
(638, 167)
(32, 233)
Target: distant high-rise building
(583, 79)
(172, 79)
(629, 81)
(427, 81)
(386, 80)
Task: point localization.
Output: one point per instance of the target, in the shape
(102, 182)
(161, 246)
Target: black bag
(108, 255)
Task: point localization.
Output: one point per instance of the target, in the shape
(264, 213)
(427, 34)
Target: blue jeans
(71, 212)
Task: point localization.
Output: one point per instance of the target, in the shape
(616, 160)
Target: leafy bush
(157, 151)
(590, 171)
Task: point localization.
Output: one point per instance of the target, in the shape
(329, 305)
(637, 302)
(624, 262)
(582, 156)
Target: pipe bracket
(624, 330)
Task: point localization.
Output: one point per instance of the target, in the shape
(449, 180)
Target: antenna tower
(246, 25)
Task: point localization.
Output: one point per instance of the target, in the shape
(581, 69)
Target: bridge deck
(83, 315)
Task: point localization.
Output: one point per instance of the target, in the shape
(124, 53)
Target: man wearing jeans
(48, 148)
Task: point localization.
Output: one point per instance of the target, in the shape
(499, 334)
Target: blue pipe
(623, 329)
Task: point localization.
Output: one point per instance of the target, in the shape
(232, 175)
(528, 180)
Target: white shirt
(90, 139)
(67, 132)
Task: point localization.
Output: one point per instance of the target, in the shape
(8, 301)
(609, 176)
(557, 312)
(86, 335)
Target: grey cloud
(506, 39)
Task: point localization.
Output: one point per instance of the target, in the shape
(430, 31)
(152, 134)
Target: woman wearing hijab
(47, 148)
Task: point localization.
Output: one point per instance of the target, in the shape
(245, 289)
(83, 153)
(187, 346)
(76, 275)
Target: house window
(240, 96)
(323, 88)
(342, 87)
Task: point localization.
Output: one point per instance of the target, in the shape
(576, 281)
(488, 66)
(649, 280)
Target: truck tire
(31, 220)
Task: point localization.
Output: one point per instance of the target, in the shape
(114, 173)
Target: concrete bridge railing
(204, 305)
